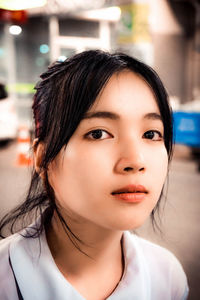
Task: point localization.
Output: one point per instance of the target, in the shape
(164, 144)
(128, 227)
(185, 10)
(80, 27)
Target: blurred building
(163, 33)
(177, 50)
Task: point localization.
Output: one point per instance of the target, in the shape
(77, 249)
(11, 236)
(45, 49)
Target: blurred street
(181, 224)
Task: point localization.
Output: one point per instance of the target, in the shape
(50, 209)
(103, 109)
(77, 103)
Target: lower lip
(130, 197)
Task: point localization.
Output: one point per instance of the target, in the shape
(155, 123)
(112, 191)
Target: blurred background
(163, 33)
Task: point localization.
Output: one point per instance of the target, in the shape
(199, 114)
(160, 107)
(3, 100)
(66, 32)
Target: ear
(38, 155)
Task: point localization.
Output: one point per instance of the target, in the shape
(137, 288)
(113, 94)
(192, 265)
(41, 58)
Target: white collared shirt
(151, 272)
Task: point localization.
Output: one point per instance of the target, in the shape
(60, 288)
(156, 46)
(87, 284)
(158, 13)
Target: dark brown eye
(97, 134)
(153, 135)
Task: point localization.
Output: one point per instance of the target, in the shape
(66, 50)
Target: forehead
(126, 91)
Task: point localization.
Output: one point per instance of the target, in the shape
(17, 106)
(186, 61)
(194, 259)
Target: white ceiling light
(21, 5)
(67, 6)
(105, 14)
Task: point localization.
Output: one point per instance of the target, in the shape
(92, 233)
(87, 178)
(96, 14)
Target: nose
(131, 159)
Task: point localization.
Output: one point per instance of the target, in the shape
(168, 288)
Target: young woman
(103, 141)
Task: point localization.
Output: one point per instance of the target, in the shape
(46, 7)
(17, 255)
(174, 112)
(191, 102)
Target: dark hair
(66, 92)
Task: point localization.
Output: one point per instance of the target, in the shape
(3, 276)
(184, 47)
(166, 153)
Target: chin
(123, 225)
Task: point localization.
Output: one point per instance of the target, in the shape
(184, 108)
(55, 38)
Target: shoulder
(4, 247)
(159, 257)
(155, 252)
(7, 282)
(163, 267)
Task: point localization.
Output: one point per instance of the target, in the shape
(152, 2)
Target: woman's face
(113, 169)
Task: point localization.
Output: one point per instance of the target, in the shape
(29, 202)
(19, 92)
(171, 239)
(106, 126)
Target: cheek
(89, 173)
(80, 172)
(159, 167)
(90, 160)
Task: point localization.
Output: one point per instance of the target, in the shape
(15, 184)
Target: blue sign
(187, 128)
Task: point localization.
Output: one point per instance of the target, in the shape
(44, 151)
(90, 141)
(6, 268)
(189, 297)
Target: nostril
(141, 169)
(128, 169)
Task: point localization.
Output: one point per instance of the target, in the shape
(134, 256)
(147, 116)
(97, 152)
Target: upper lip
(131, 189)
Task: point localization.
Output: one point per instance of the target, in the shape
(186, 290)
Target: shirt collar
(39, 278)
(135, 282)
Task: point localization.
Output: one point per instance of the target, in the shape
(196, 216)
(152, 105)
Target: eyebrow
(114, 116)
(153, 116)
(102, 115)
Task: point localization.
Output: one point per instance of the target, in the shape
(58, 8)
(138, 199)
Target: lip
(131, 193)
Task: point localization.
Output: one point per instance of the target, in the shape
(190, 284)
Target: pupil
(150, 134)
(97, 134)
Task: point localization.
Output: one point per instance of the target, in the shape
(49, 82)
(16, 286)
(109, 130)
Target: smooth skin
(107, 151)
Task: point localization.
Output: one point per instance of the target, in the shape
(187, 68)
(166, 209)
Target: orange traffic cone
(23, 147)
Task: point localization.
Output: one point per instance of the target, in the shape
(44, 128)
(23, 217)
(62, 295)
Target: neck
(102, 248)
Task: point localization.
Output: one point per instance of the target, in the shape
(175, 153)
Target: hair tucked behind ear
(65, 93)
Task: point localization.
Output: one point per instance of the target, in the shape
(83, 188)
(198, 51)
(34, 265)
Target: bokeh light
(62, 58)
(44, 48)
(15, 29)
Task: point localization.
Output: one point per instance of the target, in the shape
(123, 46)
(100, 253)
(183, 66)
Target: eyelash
(157, 132)
(87, 135)
(95, 131)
